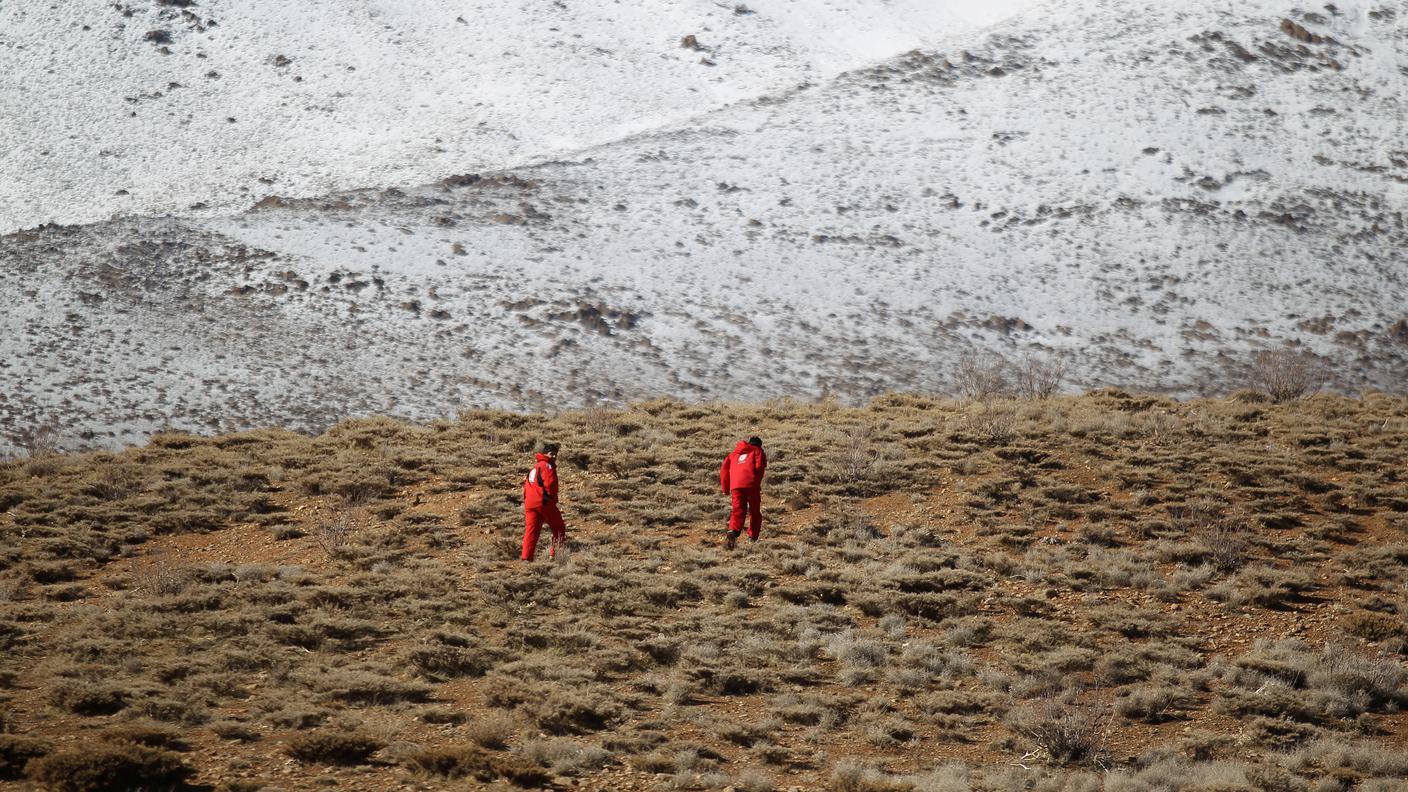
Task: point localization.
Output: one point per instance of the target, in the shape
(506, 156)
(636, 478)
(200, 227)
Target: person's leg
(533, 522)
(553, 517)
(755, 512)
(735, 517)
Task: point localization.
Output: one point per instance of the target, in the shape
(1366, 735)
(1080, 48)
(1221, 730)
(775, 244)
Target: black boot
(731, 540)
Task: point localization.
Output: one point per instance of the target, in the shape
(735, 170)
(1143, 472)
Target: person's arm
(762, 465)
(549, 479)
(723, 475)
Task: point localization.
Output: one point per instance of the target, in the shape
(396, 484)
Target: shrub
(852, 776)
(333, 748)
(1039, 378)
(576, 711)
(991, 423)
(87, 698)
(471, 761)
(565, 757)
(855, 459)
(109, 767)
(1285, 374)
(16, 752)
(982, 377)
(1064, 732)
(149, 735)
(334, 534)
(1152, 703)
(492, 731)
(439, 662)
(1266, 587)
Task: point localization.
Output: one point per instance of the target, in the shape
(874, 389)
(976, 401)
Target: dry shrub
(982, 377)
(16, 752)
(1222, 536)
(472, 761)
(109, 767)
(855, 458)
(441, 661)
(853, 776)
(87, 698)
(158, 575)
(38, 441)
(1285, 374)
(993, 424)
(564, 756)
(1064, 733)
(1151, 703)
(1375, 626)
(576, 710)
(492, 731)
(147, 734)
(334, 533)
(333, 747)
(1263, 586)
(1039, 378)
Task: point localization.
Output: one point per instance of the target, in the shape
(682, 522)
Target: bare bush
(37, 441)
(1039, 378)
(159, 575)
(856, 456)
(1064, 733)
(1223, 536)
(334, 533)
(1286, 373)
(982, 377)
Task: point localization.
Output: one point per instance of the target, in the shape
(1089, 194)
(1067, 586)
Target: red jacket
(541, 485)
(744, 468)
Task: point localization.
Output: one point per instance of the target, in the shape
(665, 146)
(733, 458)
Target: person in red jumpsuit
(540, 504)
(741, 475)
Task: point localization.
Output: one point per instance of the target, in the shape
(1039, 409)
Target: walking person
(741, 476)
(540, 504)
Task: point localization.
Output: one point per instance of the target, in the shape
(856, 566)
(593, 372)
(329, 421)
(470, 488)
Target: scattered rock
(1399, 331)
(690, 42)
(1299, 33)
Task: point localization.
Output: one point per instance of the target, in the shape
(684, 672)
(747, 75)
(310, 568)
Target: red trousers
(534, 519)
(748, 503)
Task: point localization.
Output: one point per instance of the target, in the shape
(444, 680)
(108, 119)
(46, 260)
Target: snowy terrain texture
(815, 202)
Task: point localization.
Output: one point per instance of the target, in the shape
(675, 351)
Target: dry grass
(1023, 587)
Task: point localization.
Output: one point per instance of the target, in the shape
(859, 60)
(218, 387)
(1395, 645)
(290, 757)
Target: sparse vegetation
(1039, 599)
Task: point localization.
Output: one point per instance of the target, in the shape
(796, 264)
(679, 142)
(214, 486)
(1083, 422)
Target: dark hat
(548, 448)
(755, 441)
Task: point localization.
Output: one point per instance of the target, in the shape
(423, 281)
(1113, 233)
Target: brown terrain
(1111, 591)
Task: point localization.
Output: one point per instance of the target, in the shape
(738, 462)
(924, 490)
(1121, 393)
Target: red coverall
(742, 475)
(540, 506)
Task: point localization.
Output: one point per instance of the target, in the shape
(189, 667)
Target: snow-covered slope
(189, 106)
(1155, 189)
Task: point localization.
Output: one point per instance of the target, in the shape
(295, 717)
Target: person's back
(741, 476)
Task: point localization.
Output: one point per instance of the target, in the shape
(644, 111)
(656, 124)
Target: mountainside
(1155, 190)
(179, 106)
(1105, 593)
